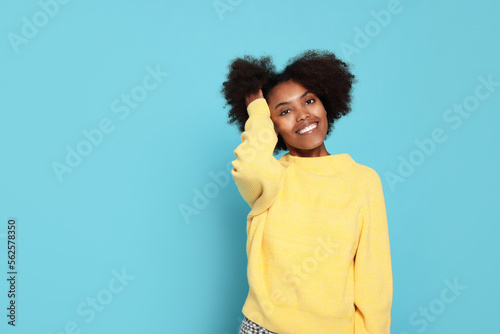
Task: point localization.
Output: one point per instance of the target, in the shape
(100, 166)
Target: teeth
(308, 128)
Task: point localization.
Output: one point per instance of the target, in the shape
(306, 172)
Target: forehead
(286, 91)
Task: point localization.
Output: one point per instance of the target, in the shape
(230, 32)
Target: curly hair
(320, 72)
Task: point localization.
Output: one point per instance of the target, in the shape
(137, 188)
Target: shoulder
(368, 174)
(358, 171)
(365, 178)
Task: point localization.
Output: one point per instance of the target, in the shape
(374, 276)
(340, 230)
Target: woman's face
(294, 108)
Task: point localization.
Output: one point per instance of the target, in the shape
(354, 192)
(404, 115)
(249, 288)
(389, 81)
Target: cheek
(325, 124)
(276, 127)
(323, 117)
(280, 126)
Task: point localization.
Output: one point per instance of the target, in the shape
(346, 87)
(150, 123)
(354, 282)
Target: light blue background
(119, 209)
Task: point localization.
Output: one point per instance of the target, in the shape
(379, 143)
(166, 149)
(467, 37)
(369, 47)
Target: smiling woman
(318, 242)
(325, 78)
(299, 118)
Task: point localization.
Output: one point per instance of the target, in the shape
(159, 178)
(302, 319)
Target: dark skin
(292, 106)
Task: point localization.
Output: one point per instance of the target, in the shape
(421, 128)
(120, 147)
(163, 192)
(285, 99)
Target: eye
(284, 111)
(310, 101)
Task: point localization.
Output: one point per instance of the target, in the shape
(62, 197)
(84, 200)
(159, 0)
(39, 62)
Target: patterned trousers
(250, 327)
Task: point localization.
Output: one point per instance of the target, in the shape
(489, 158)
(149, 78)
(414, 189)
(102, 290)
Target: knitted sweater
(317, 238)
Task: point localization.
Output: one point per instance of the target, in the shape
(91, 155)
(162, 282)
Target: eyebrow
(288, 102)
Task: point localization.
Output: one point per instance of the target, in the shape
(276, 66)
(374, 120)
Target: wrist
(258, 105)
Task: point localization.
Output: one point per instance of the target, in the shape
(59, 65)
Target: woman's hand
(253, 96)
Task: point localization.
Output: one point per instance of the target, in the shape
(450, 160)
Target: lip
(305, 126)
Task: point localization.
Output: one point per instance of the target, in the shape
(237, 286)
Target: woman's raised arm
(257, 173)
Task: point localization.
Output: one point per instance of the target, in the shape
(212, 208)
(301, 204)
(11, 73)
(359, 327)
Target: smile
(308, 129)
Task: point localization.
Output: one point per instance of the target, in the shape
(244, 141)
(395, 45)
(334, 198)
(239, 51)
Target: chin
(310, 144)
(309, 147)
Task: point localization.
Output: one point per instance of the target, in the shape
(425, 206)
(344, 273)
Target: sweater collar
(325, 165)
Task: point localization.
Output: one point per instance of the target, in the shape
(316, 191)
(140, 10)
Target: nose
(303, 113)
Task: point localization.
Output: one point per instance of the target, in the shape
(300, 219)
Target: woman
(318, 243)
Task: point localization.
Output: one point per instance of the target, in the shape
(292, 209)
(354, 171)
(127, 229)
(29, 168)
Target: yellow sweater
(318, 241)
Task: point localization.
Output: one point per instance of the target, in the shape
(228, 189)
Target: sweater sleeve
(372, 264)
(257, 173)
